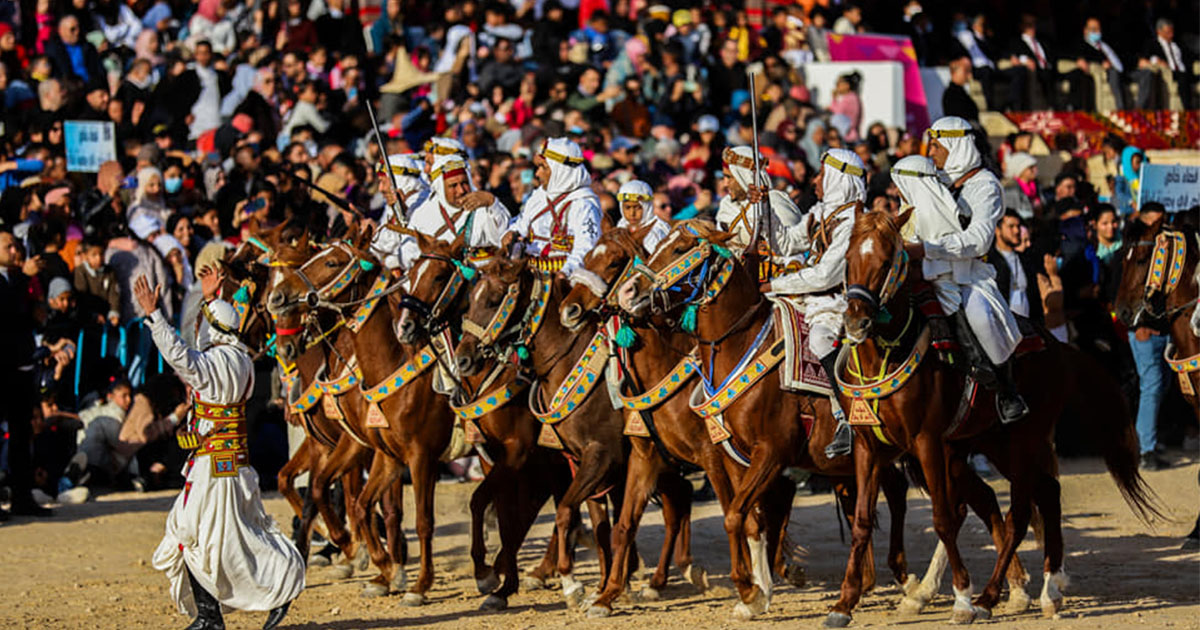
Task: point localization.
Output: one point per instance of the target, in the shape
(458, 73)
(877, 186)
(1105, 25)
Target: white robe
(822, 313)
(486, 228)
(386, 243)
(965, 280)
(218, 529)
(655, 236)
(582, 217)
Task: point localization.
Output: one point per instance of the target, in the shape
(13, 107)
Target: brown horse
(581, 423)
(764, 426)
(673, 436)
(398, 415)
(1141, 298)
(917, 412)
(519, 477)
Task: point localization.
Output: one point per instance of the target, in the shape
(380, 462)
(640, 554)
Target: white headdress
(219, 324)
(935, 212)
(954, 133)
(844, 178)
(568, 171)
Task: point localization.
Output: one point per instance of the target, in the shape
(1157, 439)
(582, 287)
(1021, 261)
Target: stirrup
(1013, 404)
(843, 441)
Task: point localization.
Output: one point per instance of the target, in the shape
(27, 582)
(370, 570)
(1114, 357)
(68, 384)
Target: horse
(519, 478)
(914, 407)
(1158, 282)
(666, 433)
(759, 424)
(397, 413)
(576, 421)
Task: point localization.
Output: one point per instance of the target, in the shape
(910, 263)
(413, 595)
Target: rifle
(764, 208)
(402, 211)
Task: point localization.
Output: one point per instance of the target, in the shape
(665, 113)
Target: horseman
(560, 222)
(407, 171)
(454, 209)
(220, 548)
(966, 288)
(438, 146)
(824, 234)
(637, 210)
(738, 211)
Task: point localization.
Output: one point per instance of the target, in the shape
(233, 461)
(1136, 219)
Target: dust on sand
(89, 567)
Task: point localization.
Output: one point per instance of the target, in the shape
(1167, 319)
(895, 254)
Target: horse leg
(423, 465)
(676, 494)
(300, 462)
(343, 457)
(518, 498)
(352, 485)
(393, 510)
(777, 512)
(602, 531)
(692, 572)
(942, 469)
(867, 470)
(588, 476)
(1047, 494)
(644, 468)
(384, 470)
(982, 500)
(895, 490)
(847, 496)
(486, 579)
(539, 576)
(750, 568)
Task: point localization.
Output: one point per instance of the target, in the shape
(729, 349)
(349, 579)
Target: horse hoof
(1050, 607)
(911, 605)
(494, 603)
(487, 584)
(837, 620)
(412, 600)
(962, 616)
(362, 559)
(696, 576)
(318, 560)
(912, 585)
(531, 583)
(374, 589)
(746, 611)
(982, 613)
(341, 571)
(574, 599)
(795, 575)
(598, 612)
(588, 601)
(1018, 602)
(649, 594)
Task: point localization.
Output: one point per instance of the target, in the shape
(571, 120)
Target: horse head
(678, 274)
(594, 284)
(876, 267)
(493, 313)
(435, 284)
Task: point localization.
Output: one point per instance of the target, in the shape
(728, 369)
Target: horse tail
(1115, 435)
(912, 468)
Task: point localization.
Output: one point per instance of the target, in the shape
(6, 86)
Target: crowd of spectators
(220, 106)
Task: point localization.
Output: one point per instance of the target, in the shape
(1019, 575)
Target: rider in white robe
(407, 171)
(986, 324)
(737, 214)
(560, 222)
(220, 548)
(447, 213)
(824, 234)
(637, 200)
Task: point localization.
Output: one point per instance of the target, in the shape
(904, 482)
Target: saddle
(800, 370)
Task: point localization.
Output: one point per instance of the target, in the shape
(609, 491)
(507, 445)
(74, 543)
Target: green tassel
(883, 316)
(522, 352)
(688, 322)
(723, 252)
(468, 272)
(637, 261)
(366, 265)
(242, 296)
(625, 336)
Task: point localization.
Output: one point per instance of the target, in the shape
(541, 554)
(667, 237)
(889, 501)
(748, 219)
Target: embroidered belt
(890, 383)
(490, 401)
(366, 308)
(740, 382)
(580, 381)
(225, 445)
(1168, 245)
(665, 388)
(1183, 368)
(548, 264)
(350, 377)
(403, 375)
(307, 399)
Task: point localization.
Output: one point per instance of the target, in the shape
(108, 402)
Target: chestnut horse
(398, 414)
(764, 425)
(1169, 298)
(580, 422)
(519, 478)
(916, 402)
(673, 435)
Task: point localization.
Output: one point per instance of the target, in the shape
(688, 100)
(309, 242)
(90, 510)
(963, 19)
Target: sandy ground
(88, 567)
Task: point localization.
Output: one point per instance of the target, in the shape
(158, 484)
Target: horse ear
(364, 238)
(426, 242)
(903, 218)
(718, 237)
(460, 242)
(639, 233)
(859, 210)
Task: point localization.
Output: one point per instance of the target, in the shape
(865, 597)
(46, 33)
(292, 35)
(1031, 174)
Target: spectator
(1163, 52)
(1031, 74)
(1094, 50)
(96, 287)
(1148, 342)
(1021, 193)
(74, 57)
(149, 200)
(850, 22)
(955, 100)
(846, 103)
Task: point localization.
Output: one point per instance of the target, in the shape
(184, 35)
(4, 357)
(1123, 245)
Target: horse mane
(873, 223)
(703, 227)
(623, 238)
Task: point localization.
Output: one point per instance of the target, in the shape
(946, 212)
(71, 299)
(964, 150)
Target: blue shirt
(75, 53)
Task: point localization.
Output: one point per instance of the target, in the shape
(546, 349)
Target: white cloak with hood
(487, 224)
(579, 208)
(645, 196)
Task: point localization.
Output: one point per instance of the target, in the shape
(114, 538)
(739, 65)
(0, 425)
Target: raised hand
(146, 298)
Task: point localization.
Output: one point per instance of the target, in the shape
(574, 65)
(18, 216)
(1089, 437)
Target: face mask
(311, 147)
(1094, 37)
(172, 184)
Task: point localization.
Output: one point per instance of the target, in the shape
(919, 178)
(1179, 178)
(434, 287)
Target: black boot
(276, 616)
(1009, 404)
(843, 435)
(208, 610)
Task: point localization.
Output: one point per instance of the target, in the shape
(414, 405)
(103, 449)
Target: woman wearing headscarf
(637, 211)
(149, 198)
(118, 22)
(177, 265)
(813, 143)
(985, 323)
(823, 234)
(560, 222)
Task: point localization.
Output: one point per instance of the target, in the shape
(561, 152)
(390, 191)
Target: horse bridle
(497, 328)
(431, 316)
(896, 275)
(1163, 276)
(694, 269)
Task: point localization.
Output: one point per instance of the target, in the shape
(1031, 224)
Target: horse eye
(493, 302)
(442, 278)
(331, 264)
(614, 264)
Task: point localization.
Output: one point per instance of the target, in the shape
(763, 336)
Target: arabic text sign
(90, 143)
(1175, 186)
